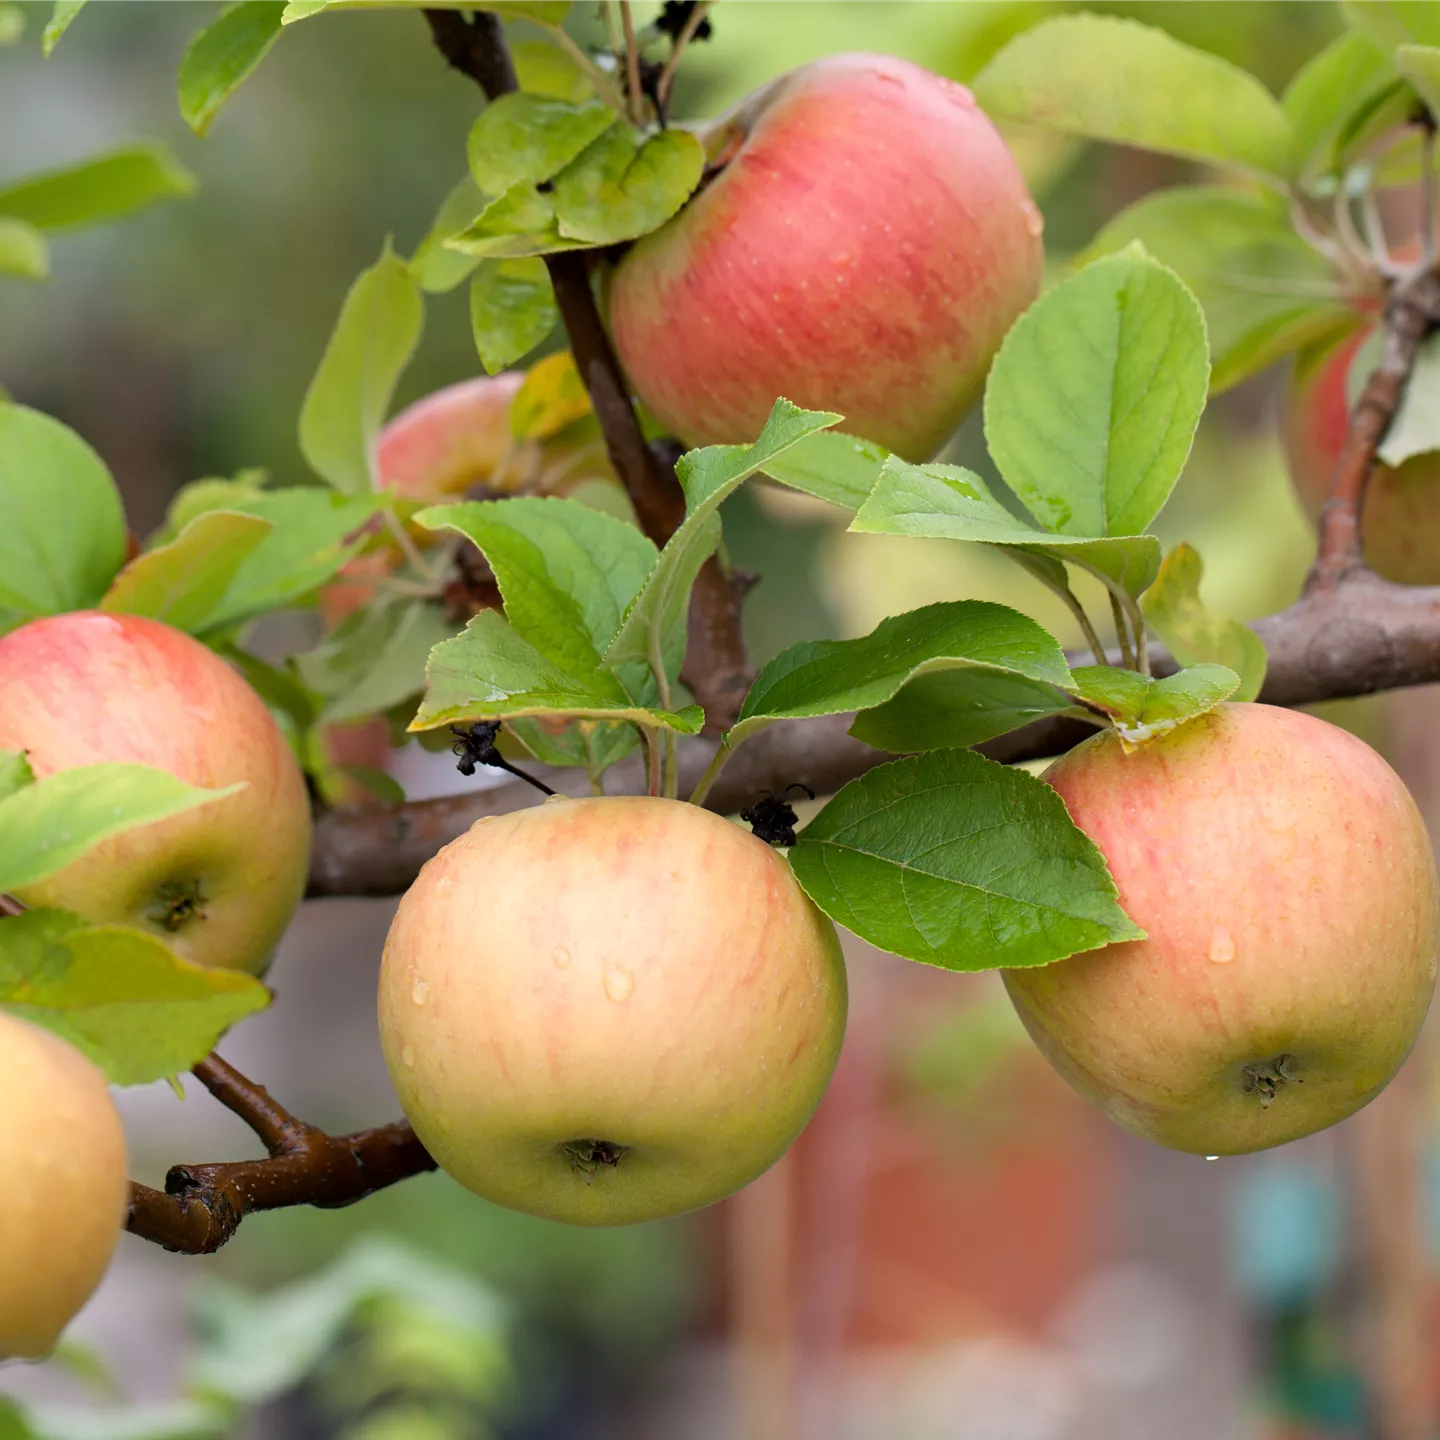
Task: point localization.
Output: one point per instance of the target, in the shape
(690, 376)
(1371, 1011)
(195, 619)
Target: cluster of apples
(607, 1010)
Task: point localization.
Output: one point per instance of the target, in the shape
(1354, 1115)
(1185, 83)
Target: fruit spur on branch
(1216, 915)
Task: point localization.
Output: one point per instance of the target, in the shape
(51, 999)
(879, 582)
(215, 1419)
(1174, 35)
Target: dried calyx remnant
(1265, 1077)
(475, 745)
(176, 903)
(587, 1156)
(772, 818)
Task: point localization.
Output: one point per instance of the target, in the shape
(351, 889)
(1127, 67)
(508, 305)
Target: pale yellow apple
(1285, 880)
(608, 1010)
(63, 1191)
(219, 883)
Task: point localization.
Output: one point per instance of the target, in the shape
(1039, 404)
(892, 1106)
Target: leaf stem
(634, 93)
(653, 766)
(604, 87)
(1427, 193)
(712, 773)
(1122, 632)
(667, 75)
(1092, 639)
(1142, 638)
(672, 766)
(408, 547)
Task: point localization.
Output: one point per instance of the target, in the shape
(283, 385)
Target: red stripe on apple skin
(87, 687)
(864, 251)
(1285, 880)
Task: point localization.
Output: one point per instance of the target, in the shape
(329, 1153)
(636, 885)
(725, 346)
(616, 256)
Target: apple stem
(202, 1206)
(712, 772)
(633, 93)
(1122, 632)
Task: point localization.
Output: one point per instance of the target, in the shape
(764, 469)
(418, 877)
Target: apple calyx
(177, 902)
(1266, 1077)
(587, 1156)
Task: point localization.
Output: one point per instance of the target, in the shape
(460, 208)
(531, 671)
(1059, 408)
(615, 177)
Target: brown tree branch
(716, 668)
(202, 1206)
(1411, 313)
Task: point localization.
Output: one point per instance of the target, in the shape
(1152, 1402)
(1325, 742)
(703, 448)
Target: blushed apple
(218, 884)
(1401, 517)
(1285, 880)
(63, 1186)
(603, 1011)
(864, 249)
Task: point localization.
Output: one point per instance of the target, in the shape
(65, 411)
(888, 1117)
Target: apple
(608, 1010)
(1400, 523)
(63, 1186)
(1285, 881)
(864, 249)
(218, 884)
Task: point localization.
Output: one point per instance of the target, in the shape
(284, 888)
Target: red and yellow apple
(63, 1188)
(1285, 881)
(1400, 522)
(219, 883)
(608, 1010)
(864, 249)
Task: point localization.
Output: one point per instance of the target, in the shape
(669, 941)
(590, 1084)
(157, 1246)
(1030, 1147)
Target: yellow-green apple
(218, 883)
(608, 1010)
(864, 249)
(1401, 518)
(63, 1190)
(1285, 881)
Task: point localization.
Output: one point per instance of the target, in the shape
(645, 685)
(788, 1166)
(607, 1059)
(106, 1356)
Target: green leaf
(512, 309)
(15, 772)
(23, 251)
(379, 784)
(1093, 399)
(951, 708)
(44, 826)
(524, 138)
(831, 465)
(947, 503)
(1391, 23)
(1415, 429)
(105, 187)
(437, 269)
(1113, 79)
(491, 673)
(13, 1424)
(223, 56)
(827, 677)
(1345, 79)
(624, 186)
(546, 69)
(566, 573)
(542, 12)
(373, 340)
(1420, 65)
(120, 996)
(313, 533)
(952, 860)
(1264, 291)
(518, 223)
(62, 531)
(1141, 708)
(12, 23)
(1193, 633)
(60, 17)
(200, 497)
(183, 583)
(595, 745)
(654, 627)
(551, 397)
(375, 660)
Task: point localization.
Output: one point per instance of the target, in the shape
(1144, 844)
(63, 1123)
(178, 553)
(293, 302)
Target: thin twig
(672, 63)
(202, 1206)
(634, 93)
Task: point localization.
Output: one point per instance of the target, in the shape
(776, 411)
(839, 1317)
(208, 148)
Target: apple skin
(1400, 523)
(628, 970)
(1286, 883)
(864, 251)
(87, 687)
(63, 1186)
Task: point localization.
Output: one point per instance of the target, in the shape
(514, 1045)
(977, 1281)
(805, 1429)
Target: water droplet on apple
(556, 799)
(1222, 946)
(420, 992)
(1212, 1157)
(408, 1054)
(561, 956)
(619, 983)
